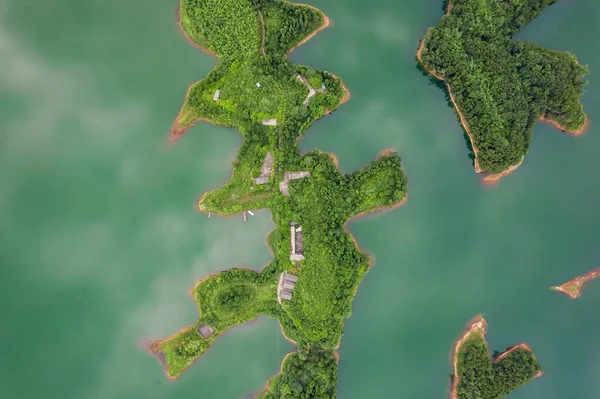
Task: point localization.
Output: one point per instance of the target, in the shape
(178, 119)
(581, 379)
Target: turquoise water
(100, 242)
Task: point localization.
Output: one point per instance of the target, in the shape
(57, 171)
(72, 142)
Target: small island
(573, 287)
(498, 86)
(317, 266)
(476, 374)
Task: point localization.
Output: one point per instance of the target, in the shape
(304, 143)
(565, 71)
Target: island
(477, 375)
(317, 266)
(498, 86)
(572, 288)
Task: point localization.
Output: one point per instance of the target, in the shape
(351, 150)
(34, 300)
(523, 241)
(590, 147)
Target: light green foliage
(321, 203)
(502, 86)
(224, 300)
(480, 378)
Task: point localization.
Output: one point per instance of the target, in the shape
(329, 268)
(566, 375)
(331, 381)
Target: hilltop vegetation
(503, 86)
(321, 202)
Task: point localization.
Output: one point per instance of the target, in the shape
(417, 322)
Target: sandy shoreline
(577, 284)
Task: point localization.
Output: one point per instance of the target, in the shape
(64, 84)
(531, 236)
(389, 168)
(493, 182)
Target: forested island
(477, 375)
(317, 267)
(499, 86)
(572, 288)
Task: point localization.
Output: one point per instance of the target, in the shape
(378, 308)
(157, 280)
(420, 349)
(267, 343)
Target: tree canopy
(501, 85)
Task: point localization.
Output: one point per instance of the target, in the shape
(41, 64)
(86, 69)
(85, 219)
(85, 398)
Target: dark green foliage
(308, 374)
(503, 86)
(480, 378)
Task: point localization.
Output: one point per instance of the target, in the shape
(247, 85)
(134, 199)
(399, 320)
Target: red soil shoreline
(578, 282)
(578, 132)
(472, 327)
(478, 325)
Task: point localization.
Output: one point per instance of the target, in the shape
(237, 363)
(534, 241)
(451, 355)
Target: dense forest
(482, 378)
(308, 374)
(257, 83)
(503, 86)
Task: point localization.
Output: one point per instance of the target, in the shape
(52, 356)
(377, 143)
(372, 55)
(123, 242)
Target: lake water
(100, 242)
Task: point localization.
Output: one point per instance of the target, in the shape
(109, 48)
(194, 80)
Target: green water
(100, 242)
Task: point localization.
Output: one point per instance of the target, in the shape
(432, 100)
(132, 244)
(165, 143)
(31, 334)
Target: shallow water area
(100, 241)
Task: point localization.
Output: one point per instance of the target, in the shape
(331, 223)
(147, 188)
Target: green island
(498, 86)
(573, 287)
(317, 267)
(477, 375)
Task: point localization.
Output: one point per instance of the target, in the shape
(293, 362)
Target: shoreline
(324, 25)
(475, 325)
(153, 346)
(188, 38)
(478, 325)
(382, 208)
(493, 178)
(578, 132)
(463, 120)
(578, 282)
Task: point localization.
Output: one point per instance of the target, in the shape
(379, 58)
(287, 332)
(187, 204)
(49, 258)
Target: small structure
(257, 84)
(297, 251)
(217, 95)
(311, 91)
(269, 122)
(287, 176)
(206, 331)
(265, 170)
(286, 285)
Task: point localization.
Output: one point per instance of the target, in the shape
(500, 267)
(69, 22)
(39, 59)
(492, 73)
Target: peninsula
(475, 374)
(573, 287)
(498, 86)
(317, 267)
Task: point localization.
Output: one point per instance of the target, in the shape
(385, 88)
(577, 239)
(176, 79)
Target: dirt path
(262, 23)
(572, 288)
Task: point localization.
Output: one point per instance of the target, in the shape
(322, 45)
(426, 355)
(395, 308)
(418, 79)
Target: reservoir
(100, 241)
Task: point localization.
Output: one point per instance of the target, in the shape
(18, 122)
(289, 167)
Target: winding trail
(262, 24)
